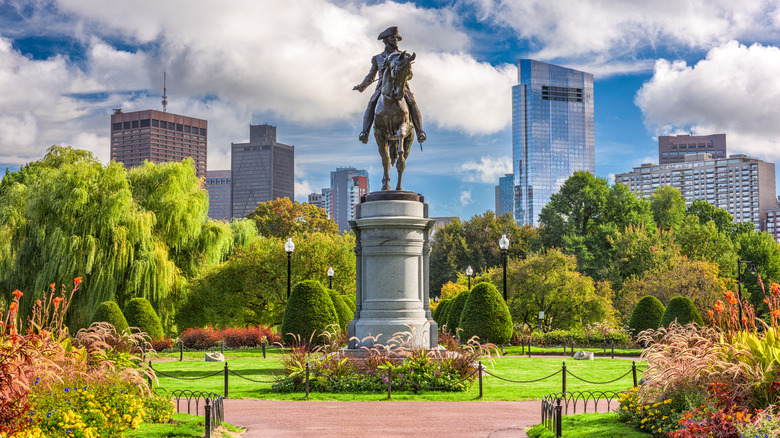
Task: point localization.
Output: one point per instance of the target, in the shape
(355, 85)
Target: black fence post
(612, 342)
(529, 346)
(307, 380)
(149, 377)
(181, 350)
(563, 379)
(633, 370)
(207, 412)
(572, 347)
(480, 378)
(222, 348)
(143, 351)
(226, 379)
(263, 344)
(558, 418)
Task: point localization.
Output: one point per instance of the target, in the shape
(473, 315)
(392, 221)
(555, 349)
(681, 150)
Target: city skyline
(660, 68)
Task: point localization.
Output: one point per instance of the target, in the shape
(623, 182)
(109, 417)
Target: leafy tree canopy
(282, 218)
(668, 207)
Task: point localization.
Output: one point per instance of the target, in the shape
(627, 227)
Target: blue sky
(661, 67)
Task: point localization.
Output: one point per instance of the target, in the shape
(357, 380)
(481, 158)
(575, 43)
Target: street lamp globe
(503, 243)
(289, 246)
(469, 271)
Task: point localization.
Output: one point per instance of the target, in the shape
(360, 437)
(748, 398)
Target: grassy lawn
(251, 364)
(589, 426)
(181, 425)
(599, 352)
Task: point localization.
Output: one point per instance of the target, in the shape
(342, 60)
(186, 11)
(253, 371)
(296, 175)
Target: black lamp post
(330, 277)
(504, 245)
(289, 246)
(469, 273)
(739, 282)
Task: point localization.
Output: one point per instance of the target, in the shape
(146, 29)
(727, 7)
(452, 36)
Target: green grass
(589, 426)
(599, 352)
(181, 425)
(513, 368)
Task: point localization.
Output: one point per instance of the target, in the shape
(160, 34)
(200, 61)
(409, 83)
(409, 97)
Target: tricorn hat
(392, 30)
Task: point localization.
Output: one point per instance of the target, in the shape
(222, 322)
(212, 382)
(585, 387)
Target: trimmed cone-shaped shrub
(350, 301)
(342, 309)
(682, 309)
(646, 315)
(441, 311)
(140, 313)
(309, 310)
(109, 311)
(486, 316)
(455, 311)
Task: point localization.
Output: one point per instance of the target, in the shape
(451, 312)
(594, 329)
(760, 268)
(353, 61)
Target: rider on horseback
(390, 37)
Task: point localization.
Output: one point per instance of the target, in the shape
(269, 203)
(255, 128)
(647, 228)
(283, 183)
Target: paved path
(494, 419)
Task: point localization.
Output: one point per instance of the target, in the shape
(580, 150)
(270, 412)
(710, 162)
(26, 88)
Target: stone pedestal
(392, 250)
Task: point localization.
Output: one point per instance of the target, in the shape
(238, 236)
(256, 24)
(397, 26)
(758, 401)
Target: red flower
(56, 302)
(719, 306)
(12, 307)
(77, 281)
(52, 286)
(37, 302)
(710, 312)
(18, 293)
(776, 313)
(775, 288)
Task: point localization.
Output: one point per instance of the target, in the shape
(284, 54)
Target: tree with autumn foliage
(282, 218)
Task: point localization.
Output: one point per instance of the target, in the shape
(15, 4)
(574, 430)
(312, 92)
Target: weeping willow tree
(136, 234)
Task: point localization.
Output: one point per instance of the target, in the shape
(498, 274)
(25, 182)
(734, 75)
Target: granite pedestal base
(392, 248)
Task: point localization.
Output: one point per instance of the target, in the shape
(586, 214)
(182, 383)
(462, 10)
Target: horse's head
(397, 74)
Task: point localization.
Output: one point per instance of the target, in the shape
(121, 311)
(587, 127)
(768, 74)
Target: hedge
(308, 314)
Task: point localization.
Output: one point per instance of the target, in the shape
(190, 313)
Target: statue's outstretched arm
(369, 79)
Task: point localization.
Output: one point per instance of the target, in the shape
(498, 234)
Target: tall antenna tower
(165, 93)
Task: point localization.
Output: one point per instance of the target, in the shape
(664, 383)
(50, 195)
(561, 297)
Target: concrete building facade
(347, 186)
(262, 170)
(158, 137)
(674, 148)
(218, 184)
(743, 186)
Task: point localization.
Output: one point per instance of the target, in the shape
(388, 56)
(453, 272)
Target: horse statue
(393, 130)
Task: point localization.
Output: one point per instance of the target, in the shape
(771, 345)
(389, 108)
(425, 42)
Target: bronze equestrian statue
(392, 108)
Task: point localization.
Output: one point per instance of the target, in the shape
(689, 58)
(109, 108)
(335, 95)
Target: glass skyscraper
(552, 133)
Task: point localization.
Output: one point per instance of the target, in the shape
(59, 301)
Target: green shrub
(486, 316)
(350, 301)
(140, 313)
(646, 315)
(309, 311)
(441, 311)
(109, 311)
(455, 310)
(342, 309)
(683, 310)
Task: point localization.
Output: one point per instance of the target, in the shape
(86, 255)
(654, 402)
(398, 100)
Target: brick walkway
(494, 419)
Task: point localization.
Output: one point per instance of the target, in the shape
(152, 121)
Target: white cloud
(465, 197)
(487, 170)
(733, 91)
(618, 29)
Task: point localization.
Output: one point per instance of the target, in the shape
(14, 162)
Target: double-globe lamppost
(469, 273)
(739, 282)
(504, 245)
(330, 277)
(289, 246)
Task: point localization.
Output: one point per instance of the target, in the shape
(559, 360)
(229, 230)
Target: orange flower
(776, 313)
(775, 288)
(37, 302)
(719, 306)
(77, 281)
(56, 302)
(744, 319)
(12, 307)
(710, 312)
(18, 293)
(52, 286)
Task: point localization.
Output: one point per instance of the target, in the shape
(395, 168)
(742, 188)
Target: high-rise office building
(262, 170)
(674, 148)
(347, 186)
(158, 137)
(552, 133)
(773, 222)
(321, 200)
(218, 184)
(505, 195)
(743, 186)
